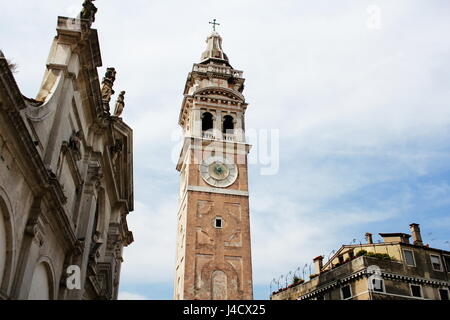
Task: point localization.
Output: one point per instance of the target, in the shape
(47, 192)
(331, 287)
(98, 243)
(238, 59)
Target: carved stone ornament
(78, 247)
(31, 227)
(120, 104)
(95, 245)
(75, 144)
(107, 87)
(95, 175)
(116, 151)
(89, 11)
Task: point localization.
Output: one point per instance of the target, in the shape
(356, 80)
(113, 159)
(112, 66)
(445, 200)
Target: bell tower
(213, 237)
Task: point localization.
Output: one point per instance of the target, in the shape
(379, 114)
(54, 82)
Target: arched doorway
(40, 284)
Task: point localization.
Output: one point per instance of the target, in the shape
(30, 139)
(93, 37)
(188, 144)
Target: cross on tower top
(214, 23)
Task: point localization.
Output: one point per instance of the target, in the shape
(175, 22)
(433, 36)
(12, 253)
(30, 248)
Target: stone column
(218, 125)
(196, 128)
(239, 130)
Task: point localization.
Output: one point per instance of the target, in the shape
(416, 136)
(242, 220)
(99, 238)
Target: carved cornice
(229, 94)
(100, 277)
(9, 88)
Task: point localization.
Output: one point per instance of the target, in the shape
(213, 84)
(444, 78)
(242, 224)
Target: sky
(355, 95)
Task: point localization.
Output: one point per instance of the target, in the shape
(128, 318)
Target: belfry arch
(207, 121)
(228, 125)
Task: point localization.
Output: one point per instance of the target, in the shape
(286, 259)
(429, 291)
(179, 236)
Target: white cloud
(294, 234)
(124, 295)
(151, 258)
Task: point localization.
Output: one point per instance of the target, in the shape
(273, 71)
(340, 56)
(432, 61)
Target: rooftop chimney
(395, 237)
(369, 238)
(415, 233)
(318, 264)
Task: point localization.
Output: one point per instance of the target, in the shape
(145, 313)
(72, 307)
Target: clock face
(219, 172)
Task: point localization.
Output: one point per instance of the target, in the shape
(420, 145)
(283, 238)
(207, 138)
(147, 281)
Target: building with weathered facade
(66, 174)
(213, 239)
(393, 269)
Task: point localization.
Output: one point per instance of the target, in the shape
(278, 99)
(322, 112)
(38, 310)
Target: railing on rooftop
(218, 69)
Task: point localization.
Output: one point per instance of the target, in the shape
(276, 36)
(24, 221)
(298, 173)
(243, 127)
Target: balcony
(229, 137)
(209, 135)
(221, 137)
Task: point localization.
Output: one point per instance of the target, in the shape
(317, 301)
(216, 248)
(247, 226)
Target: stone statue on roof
(107, 88)
(89, 11)
(120, 104)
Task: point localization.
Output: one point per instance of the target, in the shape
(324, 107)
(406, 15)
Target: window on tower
(207, 121)
(228, 124)
(218, 223)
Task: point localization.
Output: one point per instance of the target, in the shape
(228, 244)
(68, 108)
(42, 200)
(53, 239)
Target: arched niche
(41, 283)
(219, 286)
(217, 274)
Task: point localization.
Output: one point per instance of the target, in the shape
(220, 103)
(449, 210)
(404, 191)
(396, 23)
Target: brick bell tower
(213, 237)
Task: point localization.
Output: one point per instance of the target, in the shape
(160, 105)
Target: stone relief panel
(237, 263)
(234, 240)
(233, 210)
(203, 237)
(233, 235)
(219, 286)
(204, 208)
(200, 261)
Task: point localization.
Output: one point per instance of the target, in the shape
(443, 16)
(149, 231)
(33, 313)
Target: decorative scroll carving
(95, 246)
(95, 174)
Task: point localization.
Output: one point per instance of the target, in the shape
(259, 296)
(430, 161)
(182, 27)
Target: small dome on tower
(214, 51)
